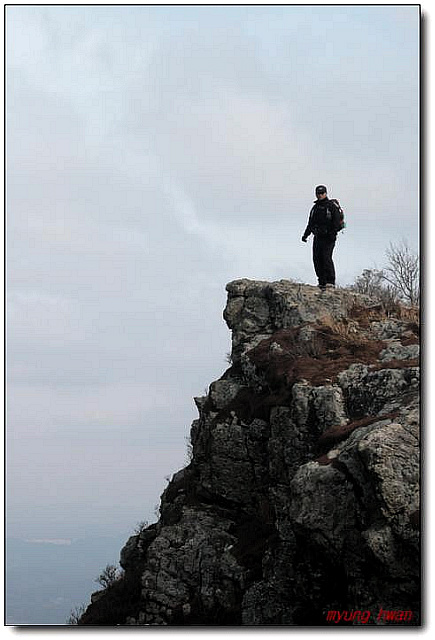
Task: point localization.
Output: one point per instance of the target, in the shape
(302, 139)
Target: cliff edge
(300, 505)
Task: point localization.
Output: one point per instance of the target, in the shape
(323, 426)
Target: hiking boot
(322, 287)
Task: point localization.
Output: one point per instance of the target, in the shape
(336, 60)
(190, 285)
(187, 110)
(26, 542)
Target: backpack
(341, 213)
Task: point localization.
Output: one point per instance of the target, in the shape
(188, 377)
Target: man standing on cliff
(324, 223)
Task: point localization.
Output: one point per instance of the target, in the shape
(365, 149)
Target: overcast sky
(153, 155)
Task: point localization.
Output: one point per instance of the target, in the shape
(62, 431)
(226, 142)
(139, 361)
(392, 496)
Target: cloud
(154, 154)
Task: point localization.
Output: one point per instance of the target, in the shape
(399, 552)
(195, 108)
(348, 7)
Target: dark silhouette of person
(324, 223)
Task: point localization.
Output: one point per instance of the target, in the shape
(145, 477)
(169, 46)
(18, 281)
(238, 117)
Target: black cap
(320, 189)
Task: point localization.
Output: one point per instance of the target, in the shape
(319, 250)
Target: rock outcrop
(300, 505)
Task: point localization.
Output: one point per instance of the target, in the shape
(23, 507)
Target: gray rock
(300, 497)
(367, 392)
(395, 351)
(329, 406)
(192, 556)
(256, 307)
(222, 392)
(388, 329)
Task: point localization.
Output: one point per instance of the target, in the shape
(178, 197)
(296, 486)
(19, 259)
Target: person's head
(321, 192)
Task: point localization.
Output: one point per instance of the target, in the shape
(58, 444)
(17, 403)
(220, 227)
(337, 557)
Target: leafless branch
(403, 272)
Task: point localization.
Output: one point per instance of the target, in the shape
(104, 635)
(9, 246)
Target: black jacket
(324, 220)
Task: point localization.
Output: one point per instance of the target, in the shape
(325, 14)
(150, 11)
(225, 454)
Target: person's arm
(308, 231)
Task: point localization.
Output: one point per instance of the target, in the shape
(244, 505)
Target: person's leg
(328, 263)
(318, 261)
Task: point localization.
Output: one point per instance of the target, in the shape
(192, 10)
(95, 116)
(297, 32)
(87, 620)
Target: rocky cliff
(300, 505)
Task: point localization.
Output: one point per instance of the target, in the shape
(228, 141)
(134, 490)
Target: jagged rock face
(302, 496)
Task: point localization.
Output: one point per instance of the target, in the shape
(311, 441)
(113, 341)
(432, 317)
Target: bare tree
(76, 614)
(371, 283)
(140, 527)
(403, 273)
(397, 282)
(108, 576)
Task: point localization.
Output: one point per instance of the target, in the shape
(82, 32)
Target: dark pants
(322, 258)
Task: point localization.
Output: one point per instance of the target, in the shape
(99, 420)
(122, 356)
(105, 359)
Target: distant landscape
(47, 579)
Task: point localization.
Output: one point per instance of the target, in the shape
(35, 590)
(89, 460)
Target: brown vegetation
(317, 357)
(380, 312)
(329, 350)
